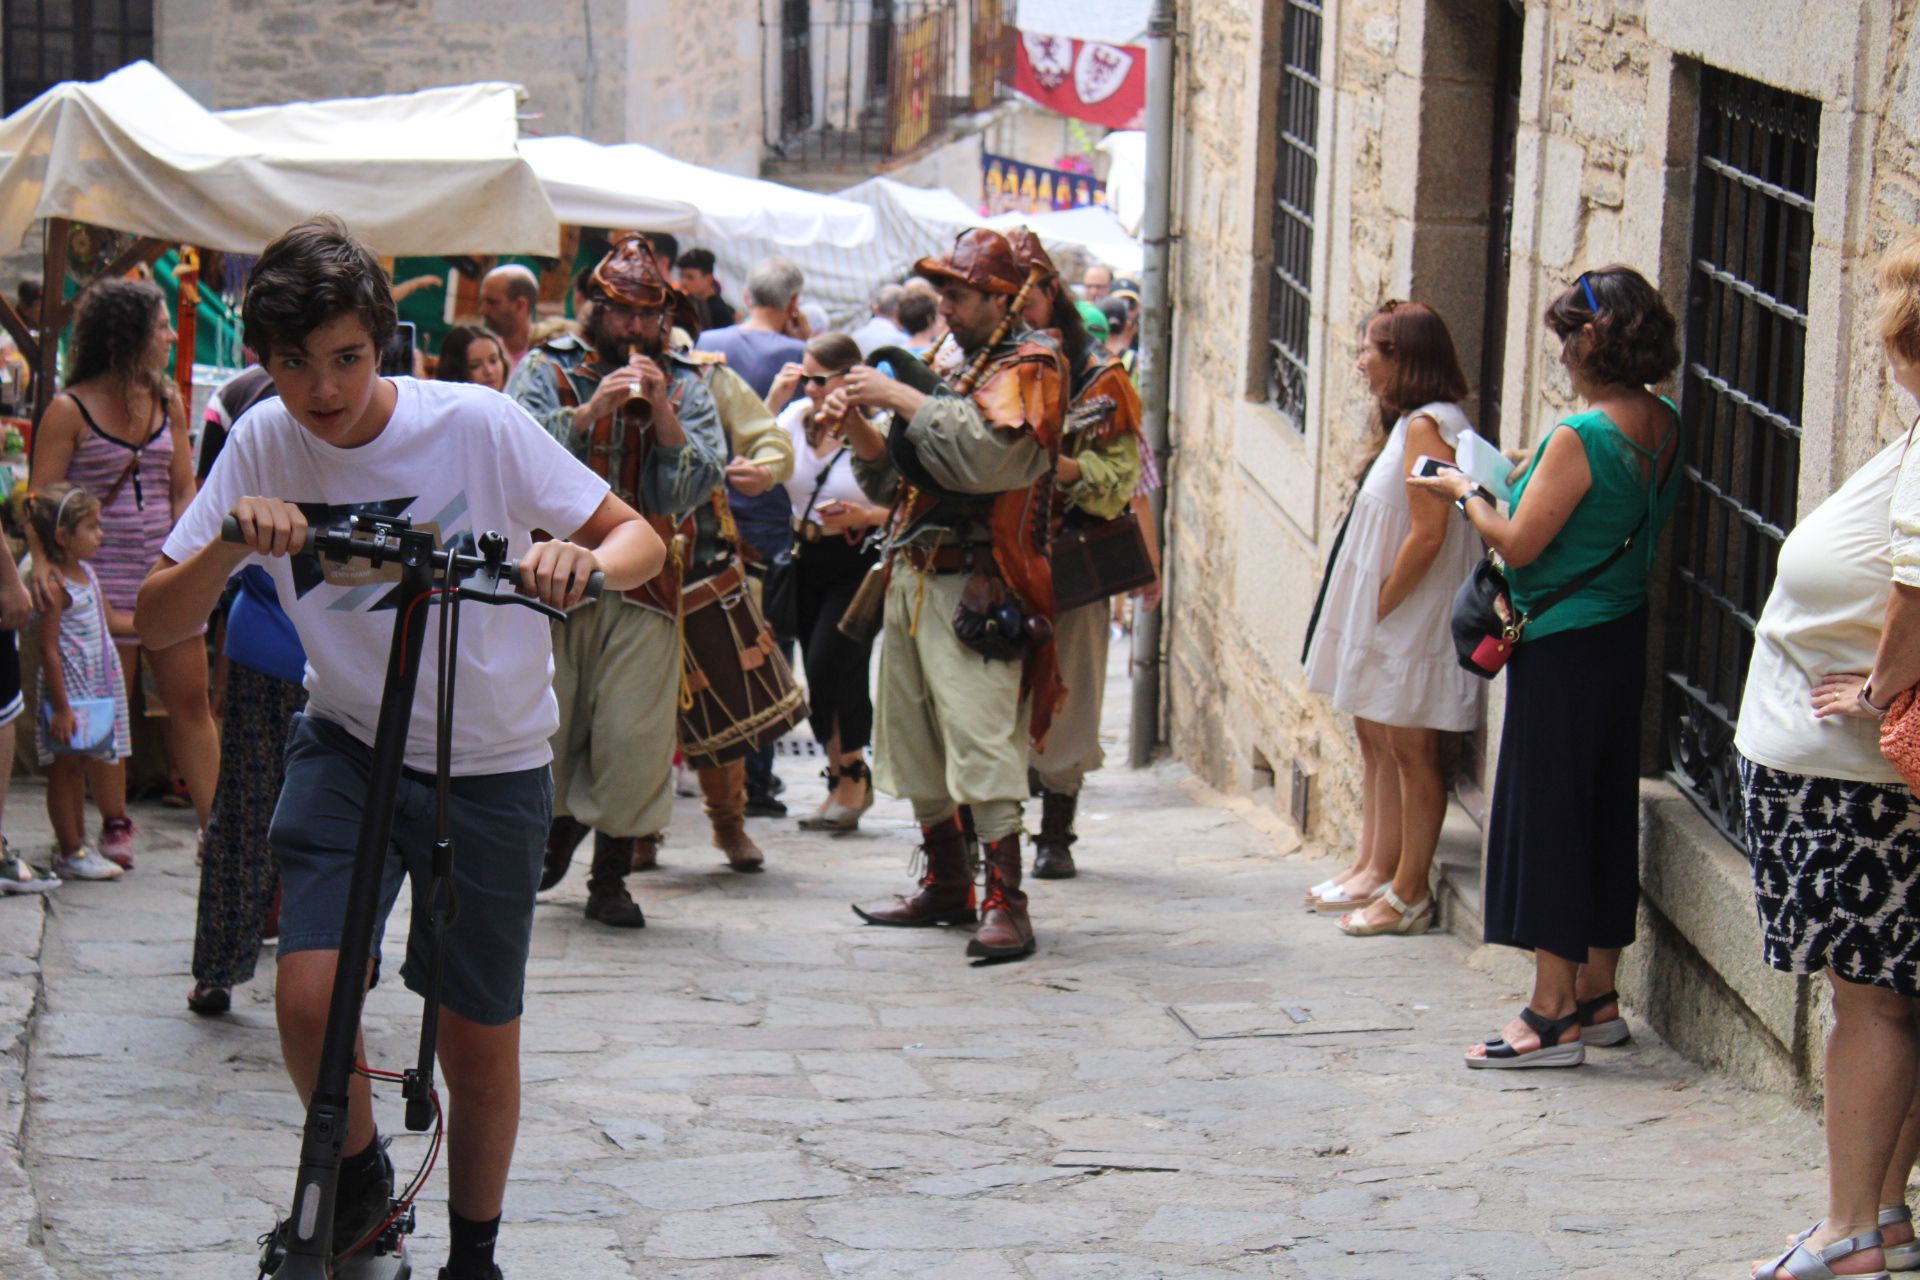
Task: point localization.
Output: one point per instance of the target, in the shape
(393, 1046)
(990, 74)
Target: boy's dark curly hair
(112, 327)
(311, 275)
(1634, 341)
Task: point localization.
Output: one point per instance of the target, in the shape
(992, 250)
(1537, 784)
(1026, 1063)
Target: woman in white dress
(1382, 650)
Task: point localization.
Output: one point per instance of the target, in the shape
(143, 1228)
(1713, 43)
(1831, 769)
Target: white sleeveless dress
(1399, 670)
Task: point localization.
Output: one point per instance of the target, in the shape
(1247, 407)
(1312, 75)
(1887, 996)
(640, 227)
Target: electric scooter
(305, 1249)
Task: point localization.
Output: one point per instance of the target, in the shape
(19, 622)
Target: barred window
(1740, 400)
(1295, 175)
(47, 41)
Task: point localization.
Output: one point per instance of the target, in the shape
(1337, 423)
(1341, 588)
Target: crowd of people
(755, 486)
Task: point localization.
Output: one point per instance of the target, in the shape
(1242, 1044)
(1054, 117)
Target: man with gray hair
(883, 328)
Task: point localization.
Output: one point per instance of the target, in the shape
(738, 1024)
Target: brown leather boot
(945, 893)
(646, 853)
(1053, 847)
(607, 898)
(724, 797)
(1005, 933)
(563, 837)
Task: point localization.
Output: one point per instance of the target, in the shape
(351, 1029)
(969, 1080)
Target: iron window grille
(48, 41)
(1295, 176)
(859, 81)
(1740, 401)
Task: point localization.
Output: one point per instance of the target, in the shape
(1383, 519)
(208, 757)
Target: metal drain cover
(1318, 1016)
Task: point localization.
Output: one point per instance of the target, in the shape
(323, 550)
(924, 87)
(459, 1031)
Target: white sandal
(1339, 900)
(1801, 1262)
(1413, 920)
(1900, 1257)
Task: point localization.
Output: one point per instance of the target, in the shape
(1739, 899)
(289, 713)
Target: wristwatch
(1866, 700)
(1476, 492)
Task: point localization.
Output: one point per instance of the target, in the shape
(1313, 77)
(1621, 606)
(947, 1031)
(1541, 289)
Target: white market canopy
(629, 185)
(426, 173)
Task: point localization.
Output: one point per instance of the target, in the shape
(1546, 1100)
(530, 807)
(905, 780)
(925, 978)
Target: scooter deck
(388, 1266)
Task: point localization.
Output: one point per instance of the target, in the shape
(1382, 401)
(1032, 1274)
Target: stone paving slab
(755, 1087)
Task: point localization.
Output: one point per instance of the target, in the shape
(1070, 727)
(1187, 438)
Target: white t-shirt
(454, 454)
(840, 485)
(1824, 615)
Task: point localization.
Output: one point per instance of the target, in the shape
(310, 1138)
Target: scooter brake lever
(486, 586)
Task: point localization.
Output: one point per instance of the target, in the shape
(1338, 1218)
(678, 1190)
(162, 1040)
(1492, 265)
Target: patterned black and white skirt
(1836, 866)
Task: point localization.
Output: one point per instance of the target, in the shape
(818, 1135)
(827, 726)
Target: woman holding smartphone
(1381, 650)
(831, 519)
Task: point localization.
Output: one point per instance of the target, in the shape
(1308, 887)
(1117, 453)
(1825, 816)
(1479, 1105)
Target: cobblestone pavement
(755, 1086)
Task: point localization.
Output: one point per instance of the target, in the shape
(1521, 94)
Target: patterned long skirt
(238, 874)
(1835, 869)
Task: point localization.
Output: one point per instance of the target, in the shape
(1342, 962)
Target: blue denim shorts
(499, 829)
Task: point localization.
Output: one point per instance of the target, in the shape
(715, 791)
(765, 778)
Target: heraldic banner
(1083, 79)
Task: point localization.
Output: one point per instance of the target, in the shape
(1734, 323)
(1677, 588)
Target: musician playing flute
(1098, 472)
(969, 597)
(636, 415)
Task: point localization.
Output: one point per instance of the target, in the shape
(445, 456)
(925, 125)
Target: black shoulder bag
(780, 590)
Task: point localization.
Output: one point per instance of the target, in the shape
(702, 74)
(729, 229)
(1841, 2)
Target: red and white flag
(1083, 79)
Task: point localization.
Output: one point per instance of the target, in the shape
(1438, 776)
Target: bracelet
(1868, 702)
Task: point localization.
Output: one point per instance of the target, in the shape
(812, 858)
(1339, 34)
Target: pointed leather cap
(980, 259)
(1032, 255)
(629, 276)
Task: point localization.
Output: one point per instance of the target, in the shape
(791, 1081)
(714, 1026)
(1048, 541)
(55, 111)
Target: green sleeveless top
(1625, 490)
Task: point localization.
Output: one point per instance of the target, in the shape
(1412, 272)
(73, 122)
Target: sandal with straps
(1900, 1257)
(1802, 1263)
(837, 817)
(1602, 1035)
(1502, 1056)
(1409, 919)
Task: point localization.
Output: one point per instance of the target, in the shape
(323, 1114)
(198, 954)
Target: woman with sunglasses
(831, 519)
(1563, 846)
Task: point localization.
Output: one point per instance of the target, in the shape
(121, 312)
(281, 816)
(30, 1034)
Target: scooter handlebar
(324, 541)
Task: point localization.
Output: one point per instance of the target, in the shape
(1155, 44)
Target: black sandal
(1502, 1056)
(1603, 1035)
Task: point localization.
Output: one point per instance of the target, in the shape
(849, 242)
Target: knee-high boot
(944, 894)
(1005, 932)
(724, 796)
(1053, 847)
(607, 898)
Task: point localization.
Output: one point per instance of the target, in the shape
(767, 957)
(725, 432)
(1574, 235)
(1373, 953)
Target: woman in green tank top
(1563, 839)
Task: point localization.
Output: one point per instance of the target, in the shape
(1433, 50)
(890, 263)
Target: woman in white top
(1381, 648)
(831, 520)
(1832, 831)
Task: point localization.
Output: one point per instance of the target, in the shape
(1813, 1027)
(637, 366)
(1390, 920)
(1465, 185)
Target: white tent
(630, 185)
(434, 172)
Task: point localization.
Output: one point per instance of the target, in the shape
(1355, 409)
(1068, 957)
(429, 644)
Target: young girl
(78, 660)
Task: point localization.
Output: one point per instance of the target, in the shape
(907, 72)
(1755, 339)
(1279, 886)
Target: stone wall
(610, 70)
(1604, 162)
(1259, 497)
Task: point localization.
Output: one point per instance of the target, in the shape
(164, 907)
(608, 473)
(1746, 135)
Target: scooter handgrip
(596, 582)
(230, 530)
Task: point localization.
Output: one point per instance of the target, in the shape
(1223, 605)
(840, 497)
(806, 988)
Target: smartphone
(397, 360)
(1427, 467)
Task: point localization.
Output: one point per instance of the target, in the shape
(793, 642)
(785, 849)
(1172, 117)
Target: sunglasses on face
(818, 379)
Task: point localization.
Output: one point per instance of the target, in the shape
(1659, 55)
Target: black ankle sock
(357, 1171)
(471, 1255)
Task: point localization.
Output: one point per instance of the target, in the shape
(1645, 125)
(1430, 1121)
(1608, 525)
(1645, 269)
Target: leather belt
(962, 559)
(698, 595)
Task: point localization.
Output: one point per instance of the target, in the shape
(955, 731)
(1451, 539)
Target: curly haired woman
(1563, 845)
(119, 431)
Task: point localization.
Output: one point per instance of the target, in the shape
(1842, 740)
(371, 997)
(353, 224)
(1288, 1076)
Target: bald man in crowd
(508, 295)
(1096, 283)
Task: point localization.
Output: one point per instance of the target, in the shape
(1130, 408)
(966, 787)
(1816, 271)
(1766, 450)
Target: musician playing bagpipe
(968, 594)
(643, 418)
(1098, 471)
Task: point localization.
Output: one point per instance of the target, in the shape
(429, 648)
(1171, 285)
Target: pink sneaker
(116, 842)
